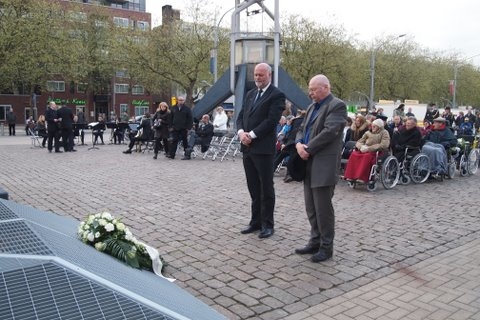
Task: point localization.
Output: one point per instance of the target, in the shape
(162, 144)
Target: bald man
(256, 124)
(319, 142)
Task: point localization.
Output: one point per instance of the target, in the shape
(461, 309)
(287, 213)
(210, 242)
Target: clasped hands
(302, 150)
(363, 149)
(245, 138)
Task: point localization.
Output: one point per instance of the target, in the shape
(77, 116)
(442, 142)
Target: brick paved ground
(407, 253)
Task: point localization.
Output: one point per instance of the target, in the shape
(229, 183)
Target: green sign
(141, 103)
(75, 101)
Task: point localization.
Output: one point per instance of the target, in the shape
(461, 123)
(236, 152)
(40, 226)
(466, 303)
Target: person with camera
(144, 133)
(161, 123)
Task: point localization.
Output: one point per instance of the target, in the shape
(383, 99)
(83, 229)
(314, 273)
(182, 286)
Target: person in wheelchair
(408, 136)
(364, 156)
(436, 144)
(465, 128)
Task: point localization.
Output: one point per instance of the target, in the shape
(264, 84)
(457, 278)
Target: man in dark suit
(319, 142)
(52, 127)
(182, 122)
(66, 127)
(256, 124)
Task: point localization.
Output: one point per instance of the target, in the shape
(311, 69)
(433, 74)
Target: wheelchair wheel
(463, 166)
(419, 168)
(351, 184)
(371, 186)
(390, 172)
(404, 179)
(451, 167)
(472, 162)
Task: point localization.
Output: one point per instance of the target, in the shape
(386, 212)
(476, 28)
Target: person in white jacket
(220, 119)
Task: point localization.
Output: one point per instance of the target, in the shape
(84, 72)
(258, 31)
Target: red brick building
(120, 97)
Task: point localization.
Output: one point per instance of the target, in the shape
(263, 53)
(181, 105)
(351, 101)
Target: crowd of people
(374, 137)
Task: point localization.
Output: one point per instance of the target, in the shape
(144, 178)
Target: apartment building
(120, 96)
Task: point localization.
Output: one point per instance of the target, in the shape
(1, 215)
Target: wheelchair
(468, 159)
(452, 153)
(385, 169)
(415, 166)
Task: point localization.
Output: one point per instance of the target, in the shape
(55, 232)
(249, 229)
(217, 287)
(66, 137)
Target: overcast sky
(443, 26)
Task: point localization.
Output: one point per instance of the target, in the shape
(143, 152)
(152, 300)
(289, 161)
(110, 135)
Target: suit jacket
(67, 117)
(326, 141)
(261, 117)
(182, 119)
(50, 116)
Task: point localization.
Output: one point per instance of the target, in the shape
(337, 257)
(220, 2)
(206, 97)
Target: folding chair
(34, 138)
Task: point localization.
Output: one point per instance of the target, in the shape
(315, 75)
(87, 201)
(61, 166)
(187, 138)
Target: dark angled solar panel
(16, 237)
(6, 213)
(49, 291)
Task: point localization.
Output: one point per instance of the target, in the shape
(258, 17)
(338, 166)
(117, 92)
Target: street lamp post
(372, 68)
(215, 46)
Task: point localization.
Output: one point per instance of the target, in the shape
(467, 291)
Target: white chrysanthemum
(100, 246)
(120, 226)
(128, 237)
(107, 215)
(98, 215)
(102, 222)
(90, 237)
(90, 219)
(109, 227)
(97, 234)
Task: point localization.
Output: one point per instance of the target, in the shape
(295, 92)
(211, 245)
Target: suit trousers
(259, 174)
(320, 213)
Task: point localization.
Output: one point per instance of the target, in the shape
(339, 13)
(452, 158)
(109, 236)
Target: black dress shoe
(249, 229)
(308, 249)
(266, 233)
(185, 158)
(58, 151)
(321, 255)
(128, 151)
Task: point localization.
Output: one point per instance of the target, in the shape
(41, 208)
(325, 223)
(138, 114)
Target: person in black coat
(287, 148)
(161, 124)
(52, 127)
(182, 122)
(202, 135)
(145, 129)
(65, 114)
(408, 136)
(256, 124)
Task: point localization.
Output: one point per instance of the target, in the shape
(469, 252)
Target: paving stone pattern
(407, 253)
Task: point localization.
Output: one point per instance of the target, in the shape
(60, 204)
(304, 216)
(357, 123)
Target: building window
(140, 110)
(121, 88)
(123, 108)
(121, 22)
(56, 86)
(138, 90)
(80, 108)
(82, 87)
(142, 25)
(4, 108)
(121, 74)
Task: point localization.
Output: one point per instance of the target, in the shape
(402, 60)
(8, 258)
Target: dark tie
(259, 94)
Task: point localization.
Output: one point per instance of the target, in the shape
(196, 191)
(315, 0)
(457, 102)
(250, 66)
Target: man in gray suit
(319, 142)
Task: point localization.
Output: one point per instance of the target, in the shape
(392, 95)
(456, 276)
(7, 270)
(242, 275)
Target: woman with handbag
(161, 123)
